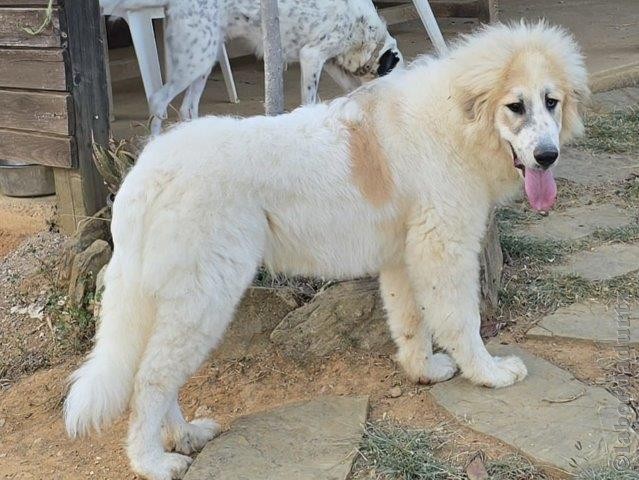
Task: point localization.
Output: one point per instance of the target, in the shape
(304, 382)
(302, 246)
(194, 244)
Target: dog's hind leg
(190, 105)
(409, 330)
(445, 278)
(186, 437)
(192, 312)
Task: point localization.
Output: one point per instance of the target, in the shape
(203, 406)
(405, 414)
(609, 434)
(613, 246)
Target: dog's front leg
(311, 62)
(443, 266)
(409, 330)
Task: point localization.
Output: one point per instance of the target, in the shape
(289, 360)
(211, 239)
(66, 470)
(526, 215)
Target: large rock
(85, 269)
(550, 416)
(591, 321)
(602, 263)
(90, 229)
(349, 314)
(315, 440)
(259, 313)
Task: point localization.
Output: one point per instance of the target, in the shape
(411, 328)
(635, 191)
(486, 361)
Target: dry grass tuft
(616, 132)
(114, 161)
(393, 452)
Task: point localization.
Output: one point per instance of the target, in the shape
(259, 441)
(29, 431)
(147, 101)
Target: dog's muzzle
(387, 62)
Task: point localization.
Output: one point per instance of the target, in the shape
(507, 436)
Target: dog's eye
(551, 103)
(517, 107)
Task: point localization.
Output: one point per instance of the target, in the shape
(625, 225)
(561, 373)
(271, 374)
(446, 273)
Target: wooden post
(273, 61)
(488, 11)
(81, 191)
(491, 264)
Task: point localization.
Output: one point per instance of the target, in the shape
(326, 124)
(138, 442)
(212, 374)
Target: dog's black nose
(387, 62)
(545, 156)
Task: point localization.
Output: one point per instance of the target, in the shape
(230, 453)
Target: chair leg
(141, 26)
(432, 28)
(228, 75)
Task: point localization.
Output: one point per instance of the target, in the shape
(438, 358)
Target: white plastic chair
(141, 26)
(432, 28)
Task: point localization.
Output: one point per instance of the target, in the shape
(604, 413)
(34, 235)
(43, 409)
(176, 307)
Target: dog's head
(521, 93)
(390, 58)
(377, 55)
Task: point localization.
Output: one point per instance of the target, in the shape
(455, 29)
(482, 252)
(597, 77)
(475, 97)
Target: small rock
(476, 470)
(86, 266)
(2, 422)
(203, 411)
(99, 280)
(96, 227)
(395, 392)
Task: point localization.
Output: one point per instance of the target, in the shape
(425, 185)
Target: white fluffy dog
(397, 178)
(345, 37)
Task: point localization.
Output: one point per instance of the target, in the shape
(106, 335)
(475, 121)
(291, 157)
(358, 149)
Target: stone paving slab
(591, 321)
(617, 100)
(594, 168)
(578, 222)
(314, 440)
(550, 416)
(602, 263)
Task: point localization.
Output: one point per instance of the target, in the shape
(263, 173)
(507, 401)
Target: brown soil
(21, 217)
(34, 445)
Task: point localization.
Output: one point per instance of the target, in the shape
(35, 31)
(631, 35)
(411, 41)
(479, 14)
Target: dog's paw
(438, 368)
(190, 437)
(502, 372)
(168, 466)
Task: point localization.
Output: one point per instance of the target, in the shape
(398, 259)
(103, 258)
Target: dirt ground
(34, 445)
(22, 217)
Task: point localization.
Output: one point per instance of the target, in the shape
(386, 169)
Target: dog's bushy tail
(102, 387)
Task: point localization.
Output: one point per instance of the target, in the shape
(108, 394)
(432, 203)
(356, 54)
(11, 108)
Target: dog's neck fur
(417, 122)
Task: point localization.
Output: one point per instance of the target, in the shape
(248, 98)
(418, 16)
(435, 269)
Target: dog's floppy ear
(576, 94)
(478, 107)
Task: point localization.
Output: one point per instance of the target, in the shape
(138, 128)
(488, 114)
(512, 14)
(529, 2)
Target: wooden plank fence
(53, 96)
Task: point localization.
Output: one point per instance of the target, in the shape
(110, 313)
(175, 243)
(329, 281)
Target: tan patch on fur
(371, 172)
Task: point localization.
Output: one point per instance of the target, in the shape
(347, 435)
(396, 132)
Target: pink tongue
(541, 189)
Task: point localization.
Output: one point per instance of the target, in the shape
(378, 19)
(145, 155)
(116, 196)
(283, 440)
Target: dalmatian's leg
(193, 38)
(191, 101)
(312, 60)
(347, 81)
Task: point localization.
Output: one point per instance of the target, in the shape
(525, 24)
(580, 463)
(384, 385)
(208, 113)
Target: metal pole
(273, 61)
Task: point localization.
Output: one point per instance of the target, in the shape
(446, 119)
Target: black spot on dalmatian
(387, 62)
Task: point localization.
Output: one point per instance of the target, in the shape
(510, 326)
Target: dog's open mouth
(539, 185)
(516, 162)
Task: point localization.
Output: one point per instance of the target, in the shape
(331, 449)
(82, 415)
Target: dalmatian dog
(346, 38)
